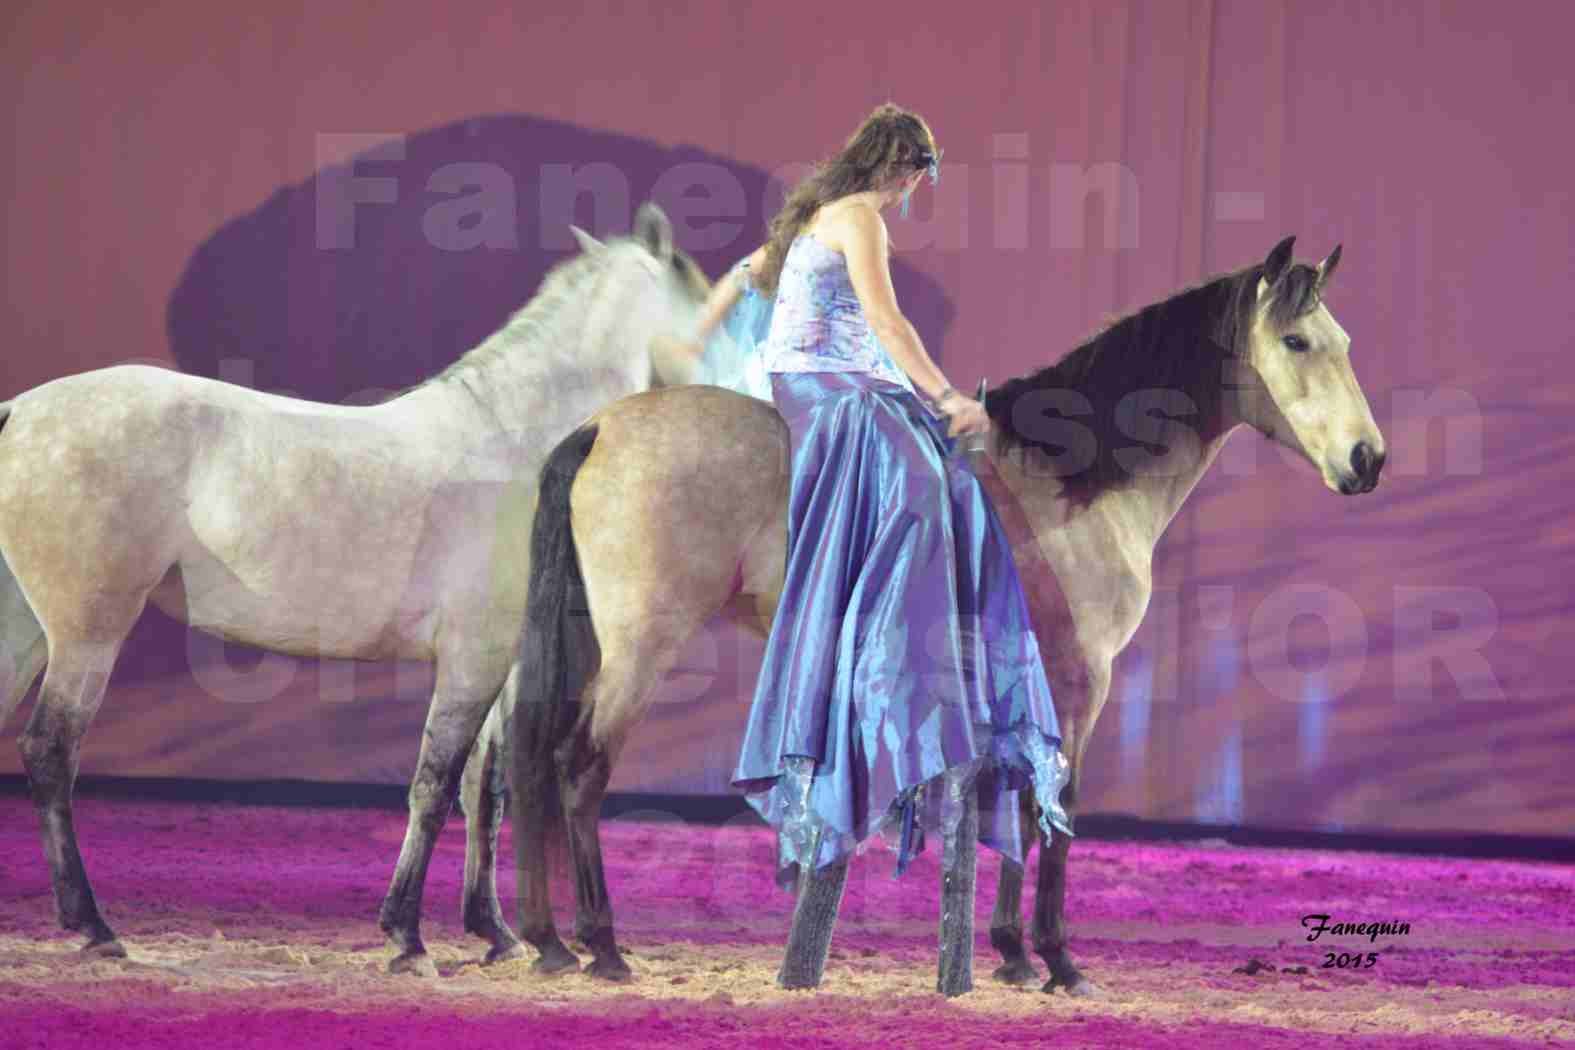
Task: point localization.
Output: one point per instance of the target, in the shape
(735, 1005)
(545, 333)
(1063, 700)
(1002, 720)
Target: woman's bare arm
(680, 356)
(865, 245)
(866, 248)
(725, 294)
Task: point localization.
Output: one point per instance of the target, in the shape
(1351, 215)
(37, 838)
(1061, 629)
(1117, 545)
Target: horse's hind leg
(18, 671)
(22, 645)
(536, 815)
(960, 834)
(483, 797)
(584, 767)
(635, 655)
(459, 705)
(51, 745)
(1006, 924)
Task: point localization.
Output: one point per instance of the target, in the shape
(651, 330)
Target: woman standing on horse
(902, 686)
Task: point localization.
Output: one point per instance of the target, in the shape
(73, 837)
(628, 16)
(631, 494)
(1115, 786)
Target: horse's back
(128, 439)
(242, 512)
(694, 435)
(670, 418)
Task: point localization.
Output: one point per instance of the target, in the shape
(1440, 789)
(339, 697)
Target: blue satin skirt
(902, 645)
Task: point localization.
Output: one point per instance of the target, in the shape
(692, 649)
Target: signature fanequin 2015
(1319, 925)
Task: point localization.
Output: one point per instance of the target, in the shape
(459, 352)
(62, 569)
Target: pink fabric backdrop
(1396, 661)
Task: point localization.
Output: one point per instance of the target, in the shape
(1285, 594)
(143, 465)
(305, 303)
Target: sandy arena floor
(256, 926)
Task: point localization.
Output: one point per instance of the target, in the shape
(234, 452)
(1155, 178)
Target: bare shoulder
(852, 225)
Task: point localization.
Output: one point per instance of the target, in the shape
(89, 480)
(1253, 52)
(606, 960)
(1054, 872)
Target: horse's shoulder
(1103, 575)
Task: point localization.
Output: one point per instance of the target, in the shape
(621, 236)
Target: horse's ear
(1278, 264)
(654, 229)
(1326, 268)
(588, 244)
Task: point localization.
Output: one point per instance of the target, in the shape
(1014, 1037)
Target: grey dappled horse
(391, 531)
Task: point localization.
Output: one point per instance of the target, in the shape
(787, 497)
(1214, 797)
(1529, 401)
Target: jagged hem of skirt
(1024, 757)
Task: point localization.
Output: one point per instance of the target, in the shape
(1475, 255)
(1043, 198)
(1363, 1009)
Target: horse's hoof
(105, 949)
(417, 964)
(1083, 988)
(615, 970)
(504, 953)
(558, 960)
(1017, 974)
(1079, 987)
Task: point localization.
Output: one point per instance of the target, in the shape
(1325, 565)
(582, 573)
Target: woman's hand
(964, 415)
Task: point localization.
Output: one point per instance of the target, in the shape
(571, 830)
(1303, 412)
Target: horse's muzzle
(1366, 464)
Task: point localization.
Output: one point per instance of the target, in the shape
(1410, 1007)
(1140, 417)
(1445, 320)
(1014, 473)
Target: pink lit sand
(256, 926)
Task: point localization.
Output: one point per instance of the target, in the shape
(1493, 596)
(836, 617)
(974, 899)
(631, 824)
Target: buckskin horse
(668, 507)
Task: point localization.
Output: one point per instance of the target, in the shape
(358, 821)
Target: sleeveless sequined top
(817, 323)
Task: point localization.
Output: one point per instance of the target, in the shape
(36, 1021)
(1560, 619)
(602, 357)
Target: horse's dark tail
(558, 651)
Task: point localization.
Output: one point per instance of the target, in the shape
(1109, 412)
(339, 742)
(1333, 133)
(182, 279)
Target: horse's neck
(531, 385)
(1114, 532)
(1148, 503)
(517, 393)
(1155, 499)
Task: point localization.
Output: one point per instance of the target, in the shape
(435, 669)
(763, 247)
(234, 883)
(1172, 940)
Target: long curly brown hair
(890, 143)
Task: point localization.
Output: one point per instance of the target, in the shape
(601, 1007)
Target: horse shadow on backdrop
(382, 269)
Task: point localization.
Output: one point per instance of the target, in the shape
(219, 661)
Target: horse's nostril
(1361, 456)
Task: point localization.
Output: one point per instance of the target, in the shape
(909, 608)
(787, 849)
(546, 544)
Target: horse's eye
(1295, 344)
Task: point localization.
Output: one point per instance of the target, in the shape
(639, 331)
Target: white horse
(384, 532)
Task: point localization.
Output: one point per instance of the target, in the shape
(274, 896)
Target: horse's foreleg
(584, 768)
(1049, 929)
(1006, 923)
(814, 919)
(51, 746)
(960, 835)
(483, 797)
(1077, 722)
(453, 722)
(1050, 922)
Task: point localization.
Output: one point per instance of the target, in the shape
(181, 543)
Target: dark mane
(1178, 348)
